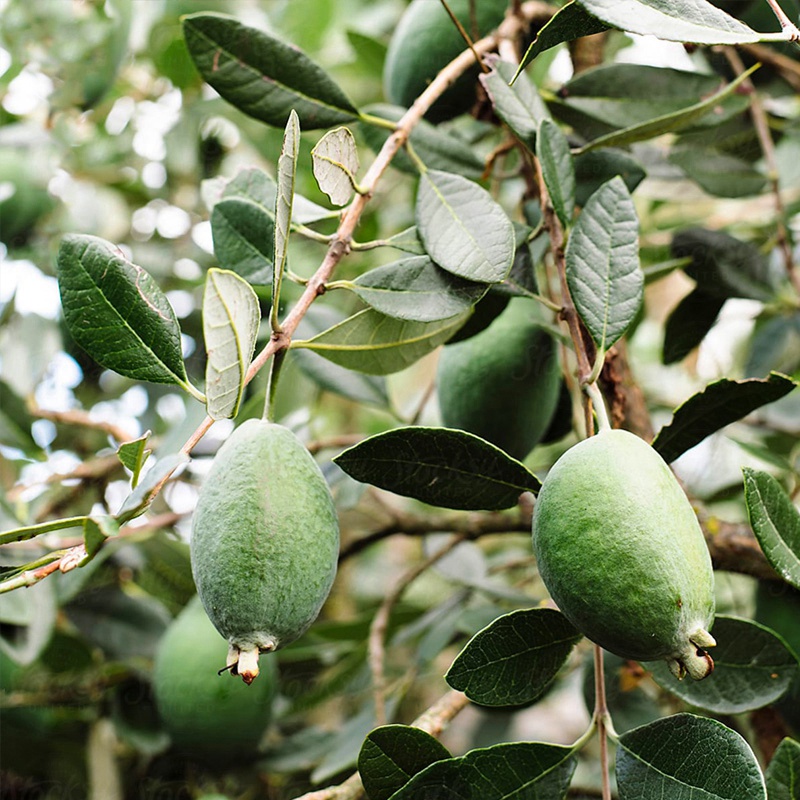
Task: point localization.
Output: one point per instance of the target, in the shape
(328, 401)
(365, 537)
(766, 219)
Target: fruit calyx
(244, 661)
(694, 658)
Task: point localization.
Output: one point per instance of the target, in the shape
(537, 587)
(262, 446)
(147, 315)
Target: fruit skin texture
(426, 40)
(502, 384)
(621, 552)
(207, 715)
(265, 541)
(778, 607)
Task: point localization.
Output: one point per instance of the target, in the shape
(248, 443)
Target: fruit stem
(600, 717)
(272, 385)
(593, 391)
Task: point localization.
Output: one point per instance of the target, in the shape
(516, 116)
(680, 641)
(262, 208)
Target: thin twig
(83, 420)
(761, 125)
(377, 630)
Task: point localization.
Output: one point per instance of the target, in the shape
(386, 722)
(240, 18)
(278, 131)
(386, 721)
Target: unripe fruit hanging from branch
(621, 552)
(265, 542)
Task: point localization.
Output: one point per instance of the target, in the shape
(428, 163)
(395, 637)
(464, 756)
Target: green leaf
(138, 501)
(605, 280)
(133, 454)
(416, 289)
(518, 771)
(30, 531)
(515, 659)
(335, 165)
(687, 21)
(668, 123)
(552, 150)
(572, 21)
(263, 76)
(95, 532)
(752, 669)
(720, 174)
(441, 467)
(686, 756)
(254, 184)
(688, 323)
(723, 265)
(775, 344)
(520, 106)
(408, 241)
(369, 389)
(783, 772)
(392, 754)
(116, 312)
(463, 229)
(775, 522)
(28, 619)
(720, 403)
(231, 316)
(379, 345)
(15, 420)
(437, 148)
(244, 239)
(284, 198)
(596, 167)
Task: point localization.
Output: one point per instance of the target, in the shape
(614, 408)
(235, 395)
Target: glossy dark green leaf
(356, 386)
(518, 771)
(603, 272)
(674, 121)
(133, 454)
(775, 522)
(688, 21)
(686, 757)
(463, 228)
(723, 265)
(416, 289)
(552, 150)
(720, 174)
(514, 660)
(441, 467)
(254, 184)
(244, 239)
(596, 167)
(720, 403)
(688, 323)
(437, 148)
(752, 669)
(117, 313)
(392, 754)
(379, 345)
(263, 76)
(783, 772)
(570, 22)
(520, 106)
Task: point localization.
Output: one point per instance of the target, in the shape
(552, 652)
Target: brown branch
(788, 67)
(83, 420)
(377, 630)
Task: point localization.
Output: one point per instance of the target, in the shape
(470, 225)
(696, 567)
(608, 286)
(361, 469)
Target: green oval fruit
(265, 541)
(502, 384)
(206, 714)
(621, 552)
(778, 607)
(426, 40)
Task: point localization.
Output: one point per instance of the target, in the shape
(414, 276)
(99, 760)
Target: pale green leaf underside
(605, 280)
(335, 165)
(694, 21)
(379, 345)
(231, 317)
(775, 522)
(284, 198)
(463, 229)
